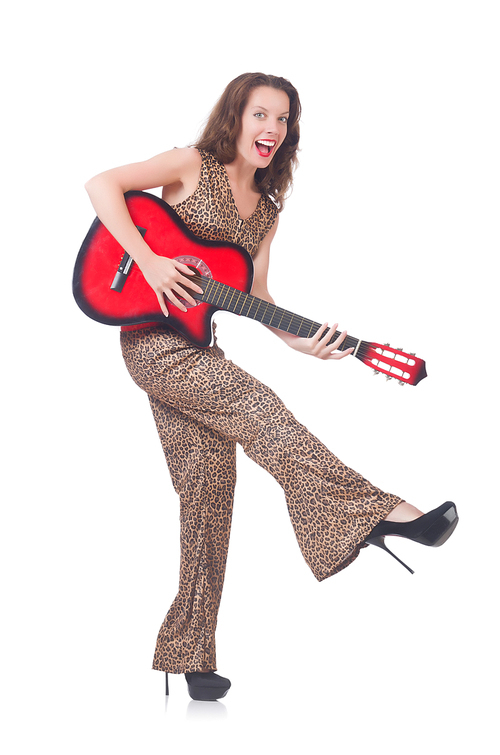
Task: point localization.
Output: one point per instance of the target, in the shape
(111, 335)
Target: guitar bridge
(124, 267)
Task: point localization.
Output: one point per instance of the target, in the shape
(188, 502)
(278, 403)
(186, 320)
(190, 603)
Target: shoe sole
(205, 694)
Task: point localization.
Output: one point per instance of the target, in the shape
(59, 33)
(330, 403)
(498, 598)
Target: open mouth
(265, 147)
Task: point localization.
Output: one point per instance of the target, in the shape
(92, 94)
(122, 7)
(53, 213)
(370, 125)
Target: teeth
(266, 143)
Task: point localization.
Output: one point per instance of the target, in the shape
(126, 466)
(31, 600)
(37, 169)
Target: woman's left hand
(318, 346)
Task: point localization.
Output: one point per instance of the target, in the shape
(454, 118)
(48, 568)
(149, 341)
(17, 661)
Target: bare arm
(178, 168)
(312, 346)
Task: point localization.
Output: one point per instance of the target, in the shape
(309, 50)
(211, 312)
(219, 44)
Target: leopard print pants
(203, 405)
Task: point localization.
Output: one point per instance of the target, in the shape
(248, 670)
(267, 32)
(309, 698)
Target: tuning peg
(401, 382)
(388, 377)
(387, 344)
(399, 348)
(412, 354)
(376, 372)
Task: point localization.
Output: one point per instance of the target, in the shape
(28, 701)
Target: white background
(392, 229)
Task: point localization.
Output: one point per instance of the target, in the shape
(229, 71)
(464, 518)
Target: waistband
(140, 326)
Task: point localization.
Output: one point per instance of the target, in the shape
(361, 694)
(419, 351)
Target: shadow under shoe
(433, 528)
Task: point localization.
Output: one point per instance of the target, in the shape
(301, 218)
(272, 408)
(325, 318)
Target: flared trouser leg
(332, 508)
(202, 465)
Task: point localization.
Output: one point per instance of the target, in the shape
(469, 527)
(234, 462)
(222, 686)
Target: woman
(231, 187)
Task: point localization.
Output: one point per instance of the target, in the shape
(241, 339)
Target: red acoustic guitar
(111, 289)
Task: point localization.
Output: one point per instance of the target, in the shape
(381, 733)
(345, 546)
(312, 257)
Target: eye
(283, 119)
(259, 115)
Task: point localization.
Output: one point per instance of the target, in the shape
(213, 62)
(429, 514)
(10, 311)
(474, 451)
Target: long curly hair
(222, 128)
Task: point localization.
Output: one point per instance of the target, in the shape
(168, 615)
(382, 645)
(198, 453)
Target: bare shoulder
(190, 165)
(175, 167)
(186, 163)
(186, 158)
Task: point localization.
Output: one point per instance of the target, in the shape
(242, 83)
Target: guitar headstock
(395, 363)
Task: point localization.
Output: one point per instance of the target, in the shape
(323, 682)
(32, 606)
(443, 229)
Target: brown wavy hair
(223, 127)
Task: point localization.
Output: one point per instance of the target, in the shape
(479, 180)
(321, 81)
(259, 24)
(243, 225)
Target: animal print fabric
(203, 405)
(211, 212)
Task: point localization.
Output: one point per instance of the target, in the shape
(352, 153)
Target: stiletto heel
(166, 684)
(380, 542)
(433, 528)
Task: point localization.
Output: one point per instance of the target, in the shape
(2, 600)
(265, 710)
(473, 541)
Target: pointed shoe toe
(432, 529)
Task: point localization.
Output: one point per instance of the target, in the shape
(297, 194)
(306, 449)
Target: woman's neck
(242, 176)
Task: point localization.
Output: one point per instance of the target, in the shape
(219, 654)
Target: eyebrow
(260, 107)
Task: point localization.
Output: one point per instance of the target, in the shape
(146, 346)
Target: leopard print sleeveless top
(211, 212)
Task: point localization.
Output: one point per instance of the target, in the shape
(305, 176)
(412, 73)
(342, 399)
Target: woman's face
(263, 125)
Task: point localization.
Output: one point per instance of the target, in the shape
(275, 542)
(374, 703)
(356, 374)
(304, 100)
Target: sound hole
(202, 268)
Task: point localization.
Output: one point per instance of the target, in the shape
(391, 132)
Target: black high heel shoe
(433, 528)
(206, 686)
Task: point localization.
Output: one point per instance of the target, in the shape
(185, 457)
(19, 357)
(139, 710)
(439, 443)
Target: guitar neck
(231, 300)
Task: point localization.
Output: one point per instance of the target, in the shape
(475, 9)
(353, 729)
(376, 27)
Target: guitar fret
(281, 319)
(262, 318)
(206, 287)
(216, 287)
(251, 302)
(221, 296)
(230, 304)
(289, 327)
(226, 292)
(277, 318)
(287, 321)
(248, 299)
(220, 292)
(302, 330)
(241, 296)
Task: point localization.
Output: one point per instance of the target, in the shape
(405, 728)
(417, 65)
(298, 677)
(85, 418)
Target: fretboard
(246, 305)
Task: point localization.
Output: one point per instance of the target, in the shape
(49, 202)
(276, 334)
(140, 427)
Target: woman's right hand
(179, 168)
(167, 278)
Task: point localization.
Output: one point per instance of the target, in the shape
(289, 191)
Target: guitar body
(167, 235)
